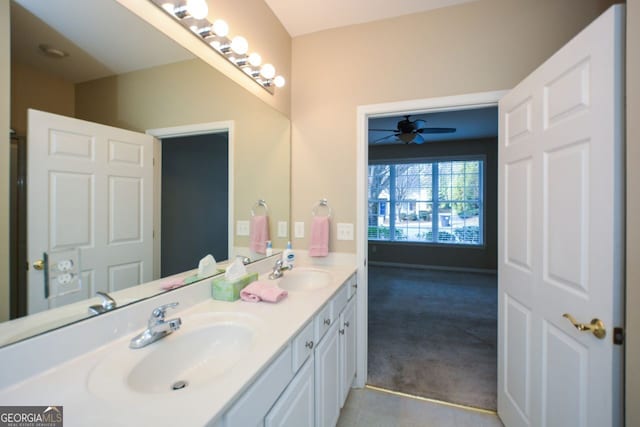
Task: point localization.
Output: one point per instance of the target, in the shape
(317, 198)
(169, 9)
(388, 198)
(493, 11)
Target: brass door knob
(39, 264)
(596, 327)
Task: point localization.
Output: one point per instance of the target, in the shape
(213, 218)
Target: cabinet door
(347, 349)
(327, 372)
(295, 408)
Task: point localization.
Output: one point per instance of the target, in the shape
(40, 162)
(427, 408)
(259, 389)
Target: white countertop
(67, 383)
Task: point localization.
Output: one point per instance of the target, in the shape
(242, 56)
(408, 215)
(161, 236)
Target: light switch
(242, 228)
(299, 230)
(345, 231)
(282, 229)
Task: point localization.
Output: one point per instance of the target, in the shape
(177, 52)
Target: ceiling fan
(411, 131)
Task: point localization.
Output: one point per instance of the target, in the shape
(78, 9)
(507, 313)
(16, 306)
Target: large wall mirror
(95, 62)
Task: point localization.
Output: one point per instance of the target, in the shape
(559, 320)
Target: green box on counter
(225, 290)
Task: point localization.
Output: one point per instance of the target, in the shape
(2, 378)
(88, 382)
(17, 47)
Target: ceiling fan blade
(382, 139)
(419, 139)
(436, 130)
(383, 130)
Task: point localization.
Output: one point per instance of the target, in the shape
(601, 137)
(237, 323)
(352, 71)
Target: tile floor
(372, 408)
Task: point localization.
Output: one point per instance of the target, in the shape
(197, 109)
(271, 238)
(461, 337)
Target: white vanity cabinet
(309, 381)
(347, 330)
(335, 358)
(296, 406)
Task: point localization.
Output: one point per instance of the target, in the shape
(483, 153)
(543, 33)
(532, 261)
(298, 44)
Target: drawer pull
(341, 331)
(355, 285)
(346, 324)
(327, 321)
(309, 344)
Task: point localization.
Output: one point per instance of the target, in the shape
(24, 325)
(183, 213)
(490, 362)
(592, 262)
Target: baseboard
(432, 267)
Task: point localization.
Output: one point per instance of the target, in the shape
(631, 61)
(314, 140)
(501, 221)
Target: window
(432, 202)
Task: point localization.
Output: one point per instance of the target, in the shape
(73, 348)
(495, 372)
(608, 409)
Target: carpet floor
(434, 334)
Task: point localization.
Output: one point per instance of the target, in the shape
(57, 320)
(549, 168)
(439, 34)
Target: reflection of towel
(259, 233)
(172, 283)
(319, 236)
(262, 290)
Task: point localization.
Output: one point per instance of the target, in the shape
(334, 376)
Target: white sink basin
(304, 279)
(207, 347)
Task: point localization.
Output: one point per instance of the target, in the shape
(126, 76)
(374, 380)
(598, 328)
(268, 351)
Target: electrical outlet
(299, 230)
(345, 231)
(242, 228)
(282, 229)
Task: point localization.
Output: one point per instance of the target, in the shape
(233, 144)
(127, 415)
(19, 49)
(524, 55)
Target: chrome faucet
(107, 304)
(278, 269)
(157, 328)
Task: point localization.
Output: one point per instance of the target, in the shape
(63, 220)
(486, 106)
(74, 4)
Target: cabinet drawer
(323, 321)
(352, 285)
(254, 404)
(339, 301)
(302, 346)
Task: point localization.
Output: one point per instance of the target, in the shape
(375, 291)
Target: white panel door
(560, 235)
(89, 187)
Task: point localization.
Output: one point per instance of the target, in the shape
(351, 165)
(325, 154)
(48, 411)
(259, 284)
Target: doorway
(432, 249)
(364, 113)
(198, 134)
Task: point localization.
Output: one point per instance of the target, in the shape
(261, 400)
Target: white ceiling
(308, 16)
(101, 36)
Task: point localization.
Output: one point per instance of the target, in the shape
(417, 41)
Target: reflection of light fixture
(197, 8)
(192, 15)
(407, 137)
(52, 52)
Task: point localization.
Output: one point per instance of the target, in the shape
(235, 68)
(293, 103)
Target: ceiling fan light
(407, 138)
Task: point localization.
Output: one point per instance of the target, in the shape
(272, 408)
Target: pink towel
(319, 236)
(172, 283)
(259, 234)
(262, 290)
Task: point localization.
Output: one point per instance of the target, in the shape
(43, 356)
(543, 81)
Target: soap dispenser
(288, 256)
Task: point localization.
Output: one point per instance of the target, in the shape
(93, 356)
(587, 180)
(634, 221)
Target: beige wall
(192, 92)
(5, 82)
(32, 88)
(474, 47)
(633, 214)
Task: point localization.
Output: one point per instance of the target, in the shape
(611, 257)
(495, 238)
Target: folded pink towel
(262, 290)
(319, 245)
(172, 283)
(259, 233)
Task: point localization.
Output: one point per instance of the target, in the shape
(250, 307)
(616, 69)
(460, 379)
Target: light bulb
(197, 8)
(168, 7)
(220, 28)
(268, 71)
(255, 59)
(279, 81)
(239, 45)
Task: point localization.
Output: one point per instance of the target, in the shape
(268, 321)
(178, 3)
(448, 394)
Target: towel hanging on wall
(320, 226)
(259, 228)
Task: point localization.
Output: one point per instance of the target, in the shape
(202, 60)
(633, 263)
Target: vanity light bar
(192, 15)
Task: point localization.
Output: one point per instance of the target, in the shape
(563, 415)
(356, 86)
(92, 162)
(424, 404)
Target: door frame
(363, 114)
(187, 130)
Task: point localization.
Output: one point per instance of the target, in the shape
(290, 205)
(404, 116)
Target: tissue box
(225, 290)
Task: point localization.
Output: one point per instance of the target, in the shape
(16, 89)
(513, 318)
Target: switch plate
(299, 230)
(345, 231)
(242, 228)
(282, 229)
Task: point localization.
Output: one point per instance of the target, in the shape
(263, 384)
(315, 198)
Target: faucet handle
(108, 303)
(160, 312)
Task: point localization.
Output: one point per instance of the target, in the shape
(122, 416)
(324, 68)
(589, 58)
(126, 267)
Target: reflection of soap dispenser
(269, 250)
(288, 256)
